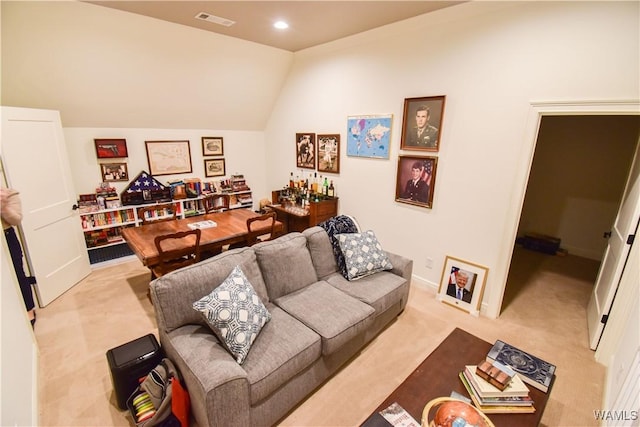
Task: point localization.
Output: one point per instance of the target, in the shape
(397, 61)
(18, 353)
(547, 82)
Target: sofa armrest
(402, 266)
(218, 386)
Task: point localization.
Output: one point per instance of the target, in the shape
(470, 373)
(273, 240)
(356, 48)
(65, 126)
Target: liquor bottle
(332, 191)
(291, 180)
(314, 184)
(325, 186)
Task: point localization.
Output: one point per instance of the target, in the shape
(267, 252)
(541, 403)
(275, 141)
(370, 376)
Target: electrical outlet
(429, 262)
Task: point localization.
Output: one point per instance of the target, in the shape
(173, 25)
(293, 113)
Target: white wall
(102, 67)
(243, 153)
(18, 354)
(492, 60)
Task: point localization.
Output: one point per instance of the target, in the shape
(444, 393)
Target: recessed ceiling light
(281, 25)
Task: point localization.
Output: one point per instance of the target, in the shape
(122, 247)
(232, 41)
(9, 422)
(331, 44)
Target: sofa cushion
(331, 313)
(381, 290)
(285, 264)
(337, 225)
(235, 313)
(363, 254)
(176, 291)
(321, 251)
(284, 348)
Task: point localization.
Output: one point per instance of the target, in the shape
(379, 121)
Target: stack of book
(508, 395)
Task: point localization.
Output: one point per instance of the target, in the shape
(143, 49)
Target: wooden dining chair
(216, 203)
(158, 212)
(177, 250)
(256, 236)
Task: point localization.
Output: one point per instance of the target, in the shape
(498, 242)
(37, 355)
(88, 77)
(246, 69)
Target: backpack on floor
(160, 400)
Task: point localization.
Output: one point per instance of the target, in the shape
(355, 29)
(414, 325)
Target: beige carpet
(544, 313)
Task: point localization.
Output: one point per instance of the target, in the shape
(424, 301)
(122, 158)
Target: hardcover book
(531, 369)
(516, 387)
(527, 408)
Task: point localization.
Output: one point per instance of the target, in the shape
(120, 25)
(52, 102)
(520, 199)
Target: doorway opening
(575, 187)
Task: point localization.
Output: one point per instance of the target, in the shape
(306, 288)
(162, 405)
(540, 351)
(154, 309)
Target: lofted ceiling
(310, 22)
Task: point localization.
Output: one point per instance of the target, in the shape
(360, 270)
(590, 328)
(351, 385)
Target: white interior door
(36, 164)
(615, 257)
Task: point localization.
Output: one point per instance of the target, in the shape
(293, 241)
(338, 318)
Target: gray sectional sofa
(319, 320)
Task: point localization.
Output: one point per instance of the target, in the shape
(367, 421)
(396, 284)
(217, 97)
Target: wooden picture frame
(168, 157)
(469, 277)
(416, 180)
(369, 136)
(328, 154)
(306, 150)
(212, 146)
(214, 167)
(111, 148)
(422, 123)
(111, 172)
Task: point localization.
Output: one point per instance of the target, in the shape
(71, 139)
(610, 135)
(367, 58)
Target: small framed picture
(214, 167)
(416, 180)
(114, 172)
(422, 123)
(212, 146)
(462, 285)
(305, 150)
(329, 153)
(111, 148)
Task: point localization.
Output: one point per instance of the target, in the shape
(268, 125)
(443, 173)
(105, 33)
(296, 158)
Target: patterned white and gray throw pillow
(363, 254)
(234, 313)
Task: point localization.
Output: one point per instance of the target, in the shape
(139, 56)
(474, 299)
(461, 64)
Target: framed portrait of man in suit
(462, 285)
(422, 123)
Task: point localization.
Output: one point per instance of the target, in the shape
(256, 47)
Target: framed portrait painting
(416, 180)
(214, 167)
(111, 148)
(114, 172)
(329, 153)
(305, 150)
(422, 123)
(462, 284)
(212, 146)
(168, 157)
(369, 136)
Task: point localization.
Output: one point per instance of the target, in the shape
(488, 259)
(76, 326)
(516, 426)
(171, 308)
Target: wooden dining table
(231, 228)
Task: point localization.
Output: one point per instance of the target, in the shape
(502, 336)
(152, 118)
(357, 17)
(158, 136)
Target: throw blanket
(338, 225)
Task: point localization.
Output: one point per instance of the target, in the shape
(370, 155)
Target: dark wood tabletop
(437, 376)
(231, 228)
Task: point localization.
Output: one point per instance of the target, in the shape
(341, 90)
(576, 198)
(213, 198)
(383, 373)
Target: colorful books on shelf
(490, 400)
(531, 369)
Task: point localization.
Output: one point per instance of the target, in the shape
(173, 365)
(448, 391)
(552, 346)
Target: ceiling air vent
(204, 16)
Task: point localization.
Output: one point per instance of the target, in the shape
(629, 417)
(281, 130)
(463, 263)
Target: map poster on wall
(168, 157)
(369, 136)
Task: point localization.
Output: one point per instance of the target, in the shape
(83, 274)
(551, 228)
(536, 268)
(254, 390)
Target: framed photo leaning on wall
(462, 285)
(422, 123)
(416, 180)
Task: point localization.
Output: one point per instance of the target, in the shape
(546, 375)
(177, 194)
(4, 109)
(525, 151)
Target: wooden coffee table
(437, 376)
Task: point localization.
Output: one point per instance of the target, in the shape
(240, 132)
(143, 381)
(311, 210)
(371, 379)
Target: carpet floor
(544, 312)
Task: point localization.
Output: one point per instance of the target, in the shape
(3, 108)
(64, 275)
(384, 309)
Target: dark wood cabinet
(295, 218)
